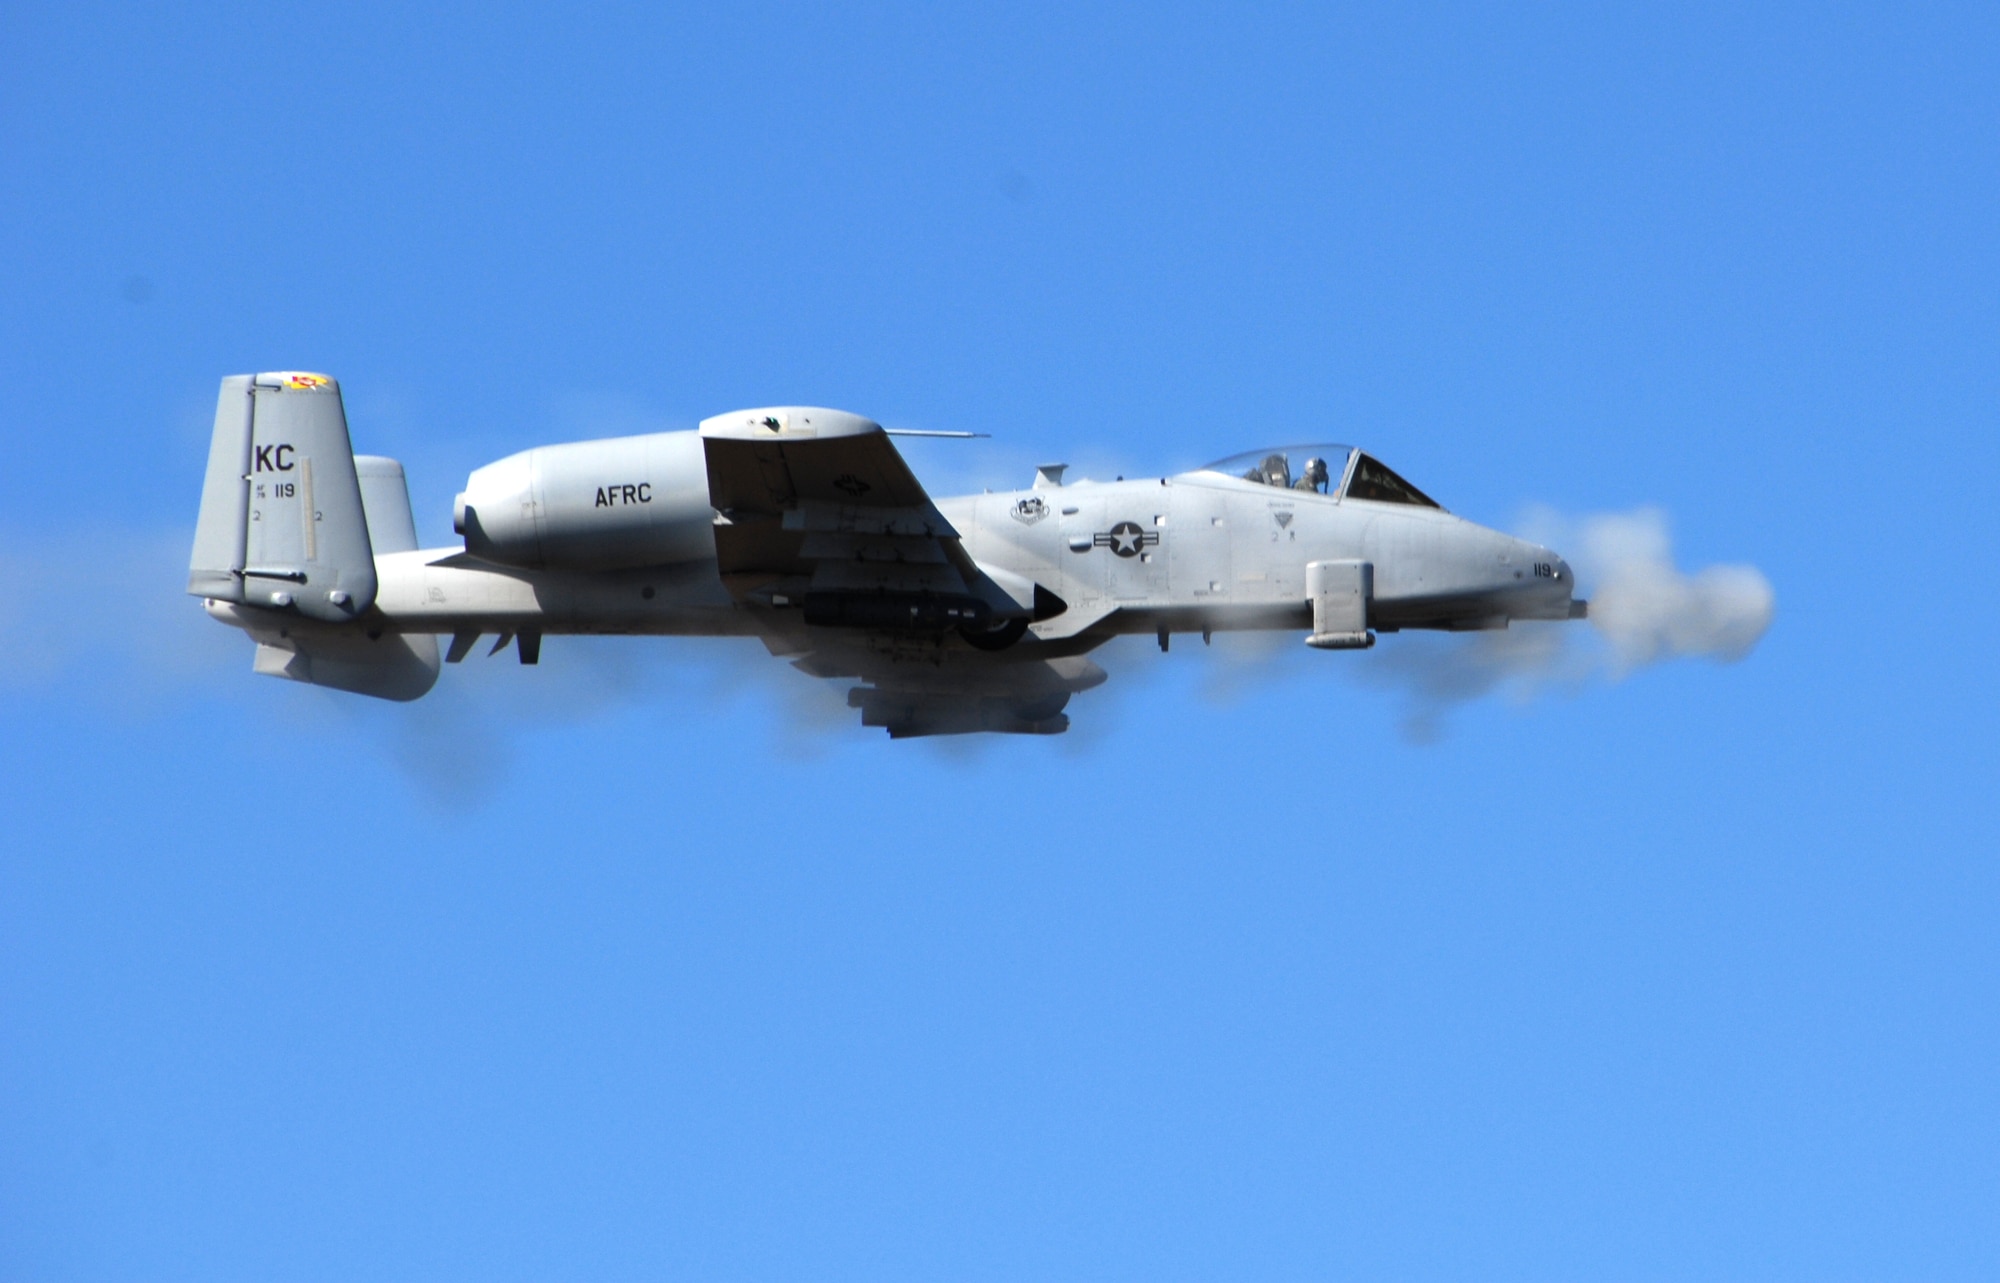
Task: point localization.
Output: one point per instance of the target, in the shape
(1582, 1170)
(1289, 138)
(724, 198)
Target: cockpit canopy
(1322, 469)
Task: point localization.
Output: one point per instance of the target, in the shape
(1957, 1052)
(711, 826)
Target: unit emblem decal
(1029, 510)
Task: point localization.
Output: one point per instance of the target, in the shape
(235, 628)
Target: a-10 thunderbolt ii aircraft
(805, 529)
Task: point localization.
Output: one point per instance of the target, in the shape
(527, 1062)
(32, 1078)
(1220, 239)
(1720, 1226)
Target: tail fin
(290, 524)
(282, 522)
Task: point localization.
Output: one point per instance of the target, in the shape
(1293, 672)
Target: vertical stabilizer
(282, 523)
(385, 497)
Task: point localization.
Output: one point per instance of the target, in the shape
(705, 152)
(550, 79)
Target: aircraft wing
(816, 506)
(812, 500)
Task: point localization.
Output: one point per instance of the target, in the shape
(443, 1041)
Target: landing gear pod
(1340, 591)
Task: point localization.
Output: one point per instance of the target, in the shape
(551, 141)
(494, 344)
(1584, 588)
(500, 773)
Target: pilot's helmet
(1316, 473)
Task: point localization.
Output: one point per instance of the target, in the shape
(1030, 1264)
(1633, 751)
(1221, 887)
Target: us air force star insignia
(852, 484)
(1126, 539)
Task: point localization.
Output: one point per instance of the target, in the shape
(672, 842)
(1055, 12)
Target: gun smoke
(1643, 611)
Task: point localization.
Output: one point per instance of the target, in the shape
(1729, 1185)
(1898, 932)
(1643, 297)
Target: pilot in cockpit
(1276, 470)
(1315, 477)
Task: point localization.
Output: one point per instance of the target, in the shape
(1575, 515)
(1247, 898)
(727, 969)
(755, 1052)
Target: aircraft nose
(1550, 588)
(1565, 578)
(1549, 566)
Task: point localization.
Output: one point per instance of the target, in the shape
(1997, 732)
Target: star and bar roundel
(1126, 538)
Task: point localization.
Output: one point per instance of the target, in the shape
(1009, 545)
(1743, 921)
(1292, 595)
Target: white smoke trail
(136, 645)
(1643, 611)
(1649, 611)
(101, 612)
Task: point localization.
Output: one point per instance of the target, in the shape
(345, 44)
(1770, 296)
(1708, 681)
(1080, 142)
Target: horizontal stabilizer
(386, 665)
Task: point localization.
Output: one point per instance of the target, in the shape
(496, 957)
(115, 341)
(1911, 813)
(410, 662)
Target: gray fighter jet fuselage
(804, 528)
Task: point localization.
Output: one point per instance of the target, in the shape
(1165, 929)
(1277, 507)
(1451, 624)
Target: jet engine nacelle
(592, 505)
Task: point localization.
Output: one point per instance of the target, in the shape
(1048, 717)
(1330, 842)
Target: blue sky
(645, 964)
